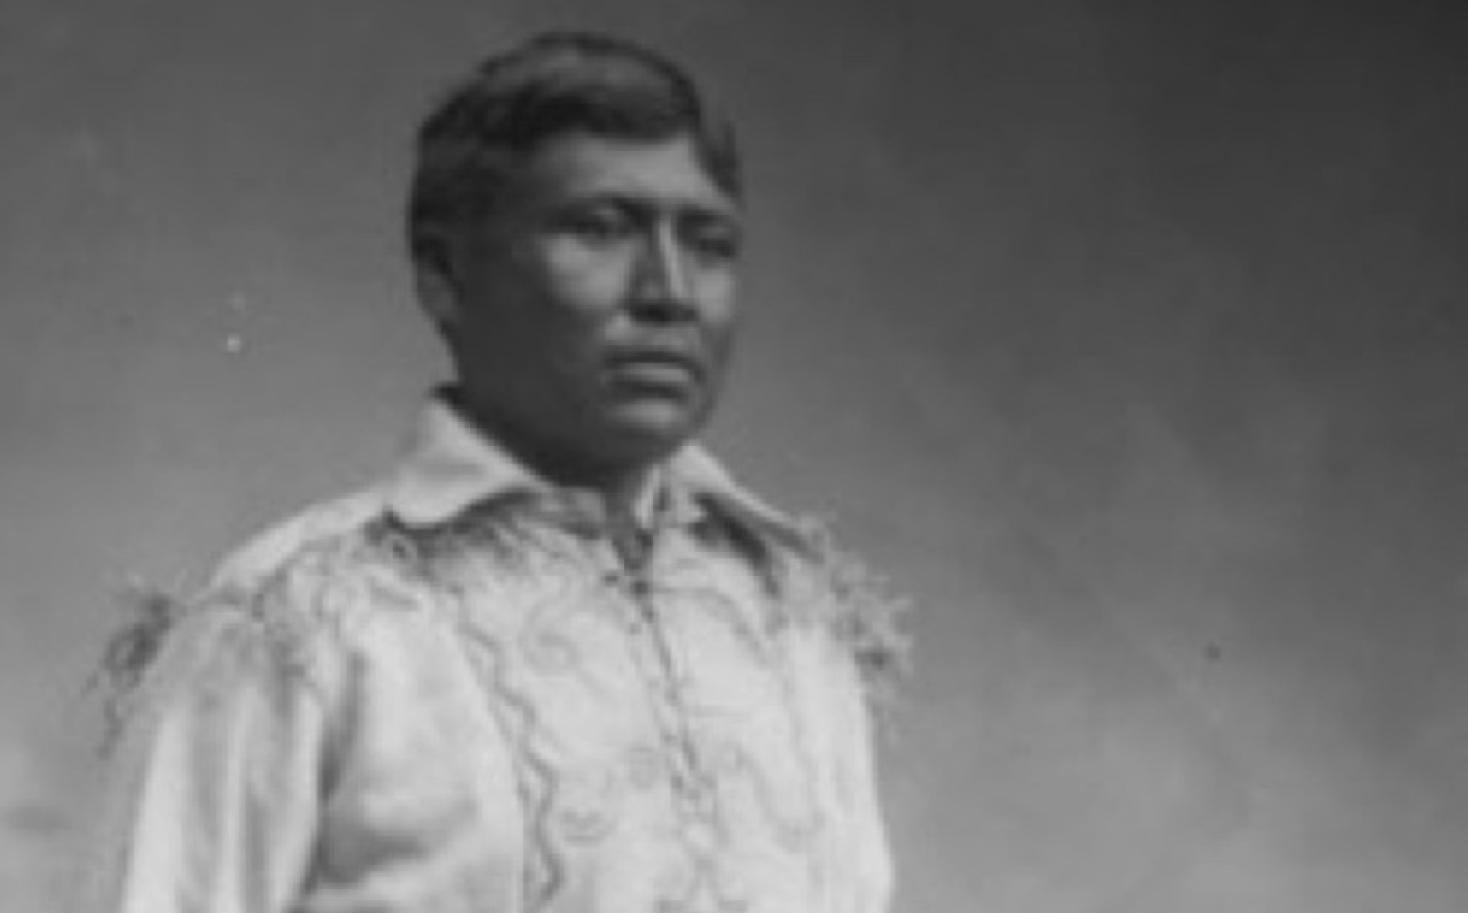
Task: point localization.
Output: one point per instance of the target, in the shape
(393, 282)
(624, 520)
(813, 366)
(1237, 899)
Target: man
(558, 661)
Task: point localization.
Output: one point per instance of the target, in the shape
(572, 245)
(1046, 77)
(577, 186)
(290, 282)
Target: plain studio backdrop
(1128, 337)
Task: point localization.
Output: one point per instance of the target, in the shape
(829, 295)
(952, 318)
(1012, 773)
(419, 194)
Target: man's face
(592, 315)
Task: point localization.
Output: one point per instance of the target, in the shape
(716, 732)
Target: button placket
(666, 680)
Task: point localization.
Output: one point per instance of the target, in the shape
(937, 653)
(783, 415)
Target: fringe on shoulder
(863, 611)
(128, 653)
(310, 594)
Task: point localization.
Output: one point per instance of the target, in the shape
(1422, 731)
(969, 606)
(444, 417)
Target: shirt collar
(451, 466)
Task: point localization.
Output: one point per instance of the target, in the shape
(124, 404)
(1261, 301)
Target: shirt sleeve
(872, 874)
(213, 789)
(861, 657)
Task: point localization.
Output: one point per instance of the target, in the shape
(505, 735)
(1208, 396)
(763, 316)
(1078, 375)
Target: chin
(653, 430)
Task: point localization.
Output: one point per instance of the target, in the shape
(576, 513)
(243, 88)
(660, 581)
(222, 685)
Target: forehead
(583, 166)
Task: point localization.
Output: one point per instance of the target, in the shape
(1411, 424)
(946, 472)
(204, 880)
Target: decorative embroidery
(698, 886)
(517, 589)
(860, 609)
(544, 641)
(551, 582)
(588, 805)
(432, 553)
(644, 766)
(290, 609)
(536, 775)
(722, 606)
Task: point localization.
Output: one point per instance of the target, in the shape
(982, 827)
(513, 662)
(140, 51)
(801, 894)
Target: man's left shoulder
(853, 606)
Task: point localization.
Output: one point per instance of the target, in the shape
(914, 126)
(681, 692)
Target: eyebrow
(632, 199)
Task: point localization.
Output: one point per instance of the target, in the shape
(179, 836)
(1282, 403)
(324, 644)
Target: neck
(623, 493)
(619, 484)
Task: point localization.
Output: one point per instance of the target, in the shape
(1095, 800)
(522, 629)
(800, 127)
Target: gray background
(1126, 336)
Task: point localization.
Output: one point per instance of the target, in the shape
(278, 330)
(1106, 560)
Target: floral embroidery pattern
(524, 600)
(467, 688)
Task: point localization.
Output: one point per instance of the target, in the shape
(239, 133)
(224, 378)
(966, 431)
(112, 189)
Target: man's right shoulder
(321, 526)
(281, 589)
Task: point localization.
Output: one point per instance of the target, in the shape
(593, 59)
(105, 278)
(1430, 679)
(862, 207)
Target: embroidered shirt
(451, 693)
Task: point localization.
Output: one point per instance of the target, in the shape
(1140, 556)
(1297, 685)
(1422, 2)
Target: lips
(657, 366)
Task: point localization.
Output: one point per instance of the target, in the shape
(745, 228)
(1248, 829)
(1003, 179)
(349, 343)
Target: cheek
(720, 335)
(720, 304)
(577, 279)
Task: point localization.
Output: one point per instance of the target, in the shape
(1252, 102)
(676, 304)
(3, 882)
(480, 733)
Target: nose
(663, 285)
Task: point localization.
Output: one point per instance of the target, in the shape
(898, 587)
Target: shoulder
(852, 604)
(319, 571)
(286, 601)
(321, 528)
(818, 583)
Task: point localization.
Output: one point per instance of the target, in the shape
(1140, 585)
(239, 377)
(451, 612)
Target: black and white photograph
(733, 456)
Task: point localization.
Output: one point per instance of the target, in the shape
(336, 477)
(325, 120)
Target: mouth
(656, 368)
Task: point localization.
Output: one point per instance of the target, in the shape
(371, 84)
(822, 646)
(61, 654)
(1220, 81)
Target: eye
(713, 238)
(594, 225)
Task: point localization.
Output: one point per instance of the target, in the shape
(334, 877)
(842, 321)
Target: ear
(433, 281)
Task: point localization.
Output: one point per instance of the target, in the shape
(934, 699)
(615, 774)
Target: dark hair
(553, 84)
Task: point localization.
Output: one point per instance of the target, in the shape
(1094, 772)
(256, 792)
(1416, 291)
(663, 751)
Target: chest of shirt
(681, 689)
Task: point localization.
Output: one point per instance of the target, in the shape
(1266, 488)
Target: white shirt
(448, 694)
